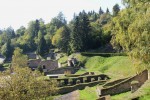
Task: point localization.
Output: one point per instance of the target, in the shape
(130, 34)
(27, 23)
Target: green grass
(143, 92)
(89, 93)
(6, 65)
(121, 96)
(63, 60)
(116, 67)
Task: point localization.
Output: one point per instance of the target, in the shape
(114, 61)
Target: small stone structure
(72, 62)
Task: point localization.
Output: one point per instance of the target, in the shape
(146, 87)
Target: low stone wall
(63, 70)
(77, 75)
(81, 79)
(80, 86)
(125, 85)
(114, 82)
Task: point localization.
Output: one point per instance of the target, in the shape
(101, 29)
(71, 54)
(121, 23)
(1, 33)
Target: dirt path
(70, 96)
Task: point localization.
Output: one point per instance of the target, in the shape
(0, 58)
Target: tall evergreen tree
(116, 9)
(42, 47)
(107, 11)
(6, 49)
(85, 29)
(101, 11)
(76, 40)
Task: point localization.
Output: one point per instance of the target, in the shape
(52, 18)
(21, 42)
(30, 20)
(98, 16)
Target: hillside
(107, 65)
(115, 67)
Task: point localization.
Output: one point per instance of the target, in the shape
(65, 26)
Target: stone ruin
(72, 62)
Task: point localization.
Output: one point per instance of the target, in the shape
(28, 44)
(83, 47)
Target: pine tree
(107, 11)
(116, 9)
(42, 47)
(101, 11)
(85, 29)
(6, 49)
(76, 40)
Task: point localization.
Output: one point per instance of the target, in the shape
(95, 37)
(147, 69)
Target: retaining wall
(114, 82)
(81, 79)
(125, 85)
(80, 86)
(63, 70)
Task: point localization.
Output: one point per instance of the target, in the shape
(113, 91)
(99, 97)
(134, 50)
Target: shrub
(89, 54)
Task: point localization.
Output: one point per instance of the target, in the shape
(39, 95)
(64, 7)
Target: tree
(85, 31)
(25, 84)
(10, 32)
(42, 46)
(100, 11)
(131, 31)
(96, 35)
(33, 28)
(7, 49)
(76, 41)
(18, 59)
(116, 9)
(56, 23)
(21, 31)
(107, 11)
(61, 39)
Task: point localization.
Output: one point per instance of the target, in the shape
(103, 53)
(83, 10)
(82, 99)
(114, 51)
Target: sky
(16, 13)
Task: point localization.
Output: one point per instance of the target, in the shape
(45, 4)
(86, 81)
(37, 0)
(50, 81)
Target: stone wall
(125, 85)
(81, 79)
(80, 86)
(63, 70)
(114, 82)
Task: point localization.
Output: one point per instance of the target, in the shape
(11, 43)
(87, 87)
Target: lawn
(116, 67)
(89, 93)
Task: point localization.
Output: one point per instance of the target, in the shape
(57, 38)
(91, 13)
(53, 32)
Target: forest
(85, 31)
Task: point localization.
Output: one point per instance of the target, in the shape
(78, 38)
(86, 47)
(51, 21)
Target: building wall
(63, 70)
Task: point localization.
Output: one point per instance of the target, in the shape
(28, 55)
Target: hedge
(103, 54)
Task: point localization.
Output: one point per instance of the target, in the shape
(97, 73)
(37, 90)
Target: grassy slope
(89, 93)
(115, 67)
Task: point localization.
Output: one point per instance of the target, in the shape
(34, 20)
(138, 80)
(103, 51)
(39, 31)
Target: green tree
(131, 31)
(61, 39)
(76, 41)
(116, 9)
(42, 46)
(100, 11)
(85, 31)
(25, 84)
(107, 11)
(18, 59)
(21, 31)
(6, 49)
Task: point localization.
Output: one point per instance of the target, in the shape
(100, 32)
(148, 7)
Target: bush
(89, 54)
